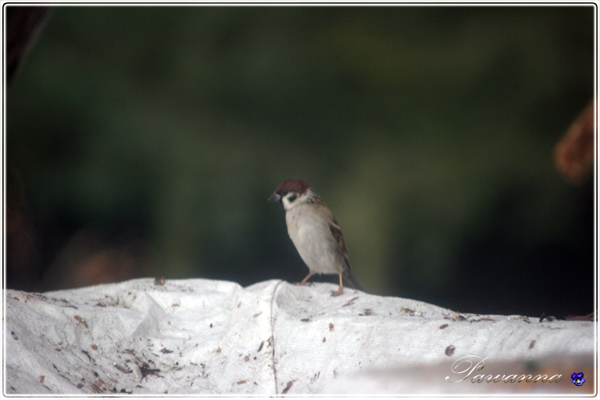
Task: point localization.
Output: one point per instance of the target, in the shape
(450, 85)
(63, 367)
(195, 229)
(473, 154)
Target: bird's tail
(353, 280)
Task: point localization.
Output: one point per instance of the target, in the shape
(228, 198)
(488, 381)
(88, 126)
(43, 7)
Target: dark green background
(154, 135)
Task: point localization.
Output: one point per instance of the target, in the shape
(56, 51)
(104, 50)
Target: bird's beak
(274, 197)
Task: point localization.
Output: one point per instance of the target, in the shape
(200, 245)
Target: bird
(315, 232)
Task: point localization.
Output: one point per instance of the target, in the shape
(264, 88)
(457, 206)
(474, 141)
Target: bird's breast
(311, 235)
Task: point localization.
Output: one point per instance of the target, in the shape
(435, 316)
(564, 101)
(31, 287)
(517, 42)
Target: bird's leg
(303, 283)
(340, 289)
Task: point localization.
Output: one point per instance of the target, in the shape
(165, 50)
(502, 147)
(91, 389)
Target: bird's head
(292, 192)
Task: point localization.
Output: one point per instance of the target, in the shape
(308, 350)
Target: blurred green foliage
(429, 131)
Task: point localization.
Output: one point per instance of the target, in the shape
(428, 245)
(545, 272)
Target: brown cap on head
(297, 185)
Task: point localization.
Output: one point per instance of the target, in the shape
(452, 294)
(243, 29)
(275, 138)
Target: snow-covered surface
(215, 337)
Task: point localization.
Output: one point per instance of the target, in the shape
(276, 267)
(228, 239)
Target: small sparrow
(315, 232)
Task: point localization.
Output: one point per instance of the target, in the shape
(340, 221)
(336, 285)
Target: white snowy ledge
(214, 337)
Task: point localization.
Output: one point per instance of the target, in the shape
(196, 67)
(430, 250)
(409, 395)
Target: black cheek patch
(292, 198)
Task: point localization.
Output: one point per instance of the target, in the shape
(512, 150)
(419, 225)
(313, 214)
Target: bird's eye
(283, 193)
